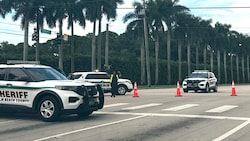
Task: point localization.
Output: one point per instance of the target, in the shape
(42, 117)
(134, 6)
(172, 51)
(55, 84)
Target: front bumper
(194, 85)
(92, 99)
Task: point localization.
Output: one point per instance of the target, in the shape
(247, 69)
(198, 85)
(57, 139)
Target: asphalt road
(156, 115)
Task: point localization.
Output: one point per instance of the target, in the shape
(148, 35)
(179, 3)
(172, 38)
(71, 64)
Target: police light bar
(9, 62)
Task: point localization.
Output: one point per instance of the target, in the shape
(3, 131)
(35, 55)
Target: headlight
(70, 88)
(78, 89)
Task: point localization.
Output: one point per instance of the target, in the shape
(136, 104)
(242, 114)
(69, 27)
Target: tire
(207, 89)
(122, 90)
(185, 90)
(85, 113)
(49, 108)
(216, 88)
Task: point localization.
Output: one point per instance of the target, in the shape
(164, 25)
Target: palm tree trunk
(107, 45)
(169, 54)
(243, 69)
(72, 62)
(143, 71)
(157, 58)
(93, 54)
(179, 58)
(218, 63)
(147, 51)
(231, 66)
(225, 66)
(25, 45)
(237, 68)
(248, 75)
(99, 49)
(197, 56)
(188, 57)
(37, 42)
(205, 57)
(212, 60)
(60, 48)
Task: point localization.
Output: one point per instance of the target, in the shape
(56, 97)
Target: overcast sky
(238, 17)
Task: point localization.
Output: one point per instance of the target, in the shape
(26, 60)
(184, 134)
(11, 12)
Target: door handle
(9, 85)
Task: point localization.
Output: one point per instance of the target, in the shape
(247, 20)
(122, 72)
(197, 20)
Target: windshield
(40, 74)
(198, 75)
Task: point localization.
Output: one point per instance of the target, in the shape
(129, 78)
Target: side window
(91, 76)
(97, 76)
(212, 75)
(2, 74)
(17, 74)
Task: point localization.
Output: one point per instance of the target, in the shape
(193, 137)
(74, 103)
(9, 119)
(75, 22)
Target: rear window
(97, 76)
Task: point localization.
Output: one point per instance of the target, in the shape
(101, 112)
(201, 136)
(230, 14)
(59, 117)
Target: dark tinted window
(97, 76)
(2, 74)
(40, 74)
(198, 75)
(17, 74)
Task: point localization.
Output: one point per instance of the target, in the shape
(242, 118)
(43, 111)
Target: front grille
(91, 90)
(193, 81)
(81, 90)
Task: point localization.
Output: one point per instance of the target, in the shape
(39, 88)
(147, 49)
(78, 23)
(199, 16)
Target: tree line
(178, 42)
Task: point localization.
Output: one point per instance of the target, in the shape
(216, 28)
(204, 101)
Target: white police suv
(200, 80)
(103, 79)
(47, 91)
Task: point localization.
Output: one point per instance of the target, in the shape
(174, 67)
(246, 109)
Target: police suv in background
(103, 79)
(46, 91)
(200, 80)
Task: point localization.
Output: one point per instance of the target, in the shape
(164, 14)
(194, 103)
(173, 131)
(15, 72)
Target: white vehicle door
(15, 88)
(211, 79)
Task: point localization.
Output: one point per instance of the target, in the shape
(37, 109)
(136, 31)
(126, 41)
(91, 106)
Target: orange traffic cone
(135, 90)
(233, 89)
(178, 90)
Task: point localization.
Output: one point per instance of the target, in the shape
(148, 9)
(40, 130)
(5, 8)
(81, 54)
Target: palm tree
(171, 10)
(5, 7)
(222, 44)
(56, 11)
(92, 16)
(27, 11)
(109, 9)
(75, 14)
(156, 18)
(136, 25)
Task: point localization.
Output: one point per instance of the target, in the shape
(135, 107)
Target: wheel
(122, 90)
(207, 90)
(216, 88)
(185, 90)
(48, 108)
(85, 113)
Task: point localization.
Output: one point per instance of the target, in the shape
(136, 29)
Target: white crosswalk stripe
(177, 108)
(222, 109)
(142, 106)
(114, 105)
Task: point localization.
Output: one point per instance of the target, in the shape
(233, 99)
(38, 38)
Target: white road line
(89, 128)
(113, 105)
(7, 121)
(222, 109)
(181, 107)
(142, 106)
(176, 115)
(234, 130)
